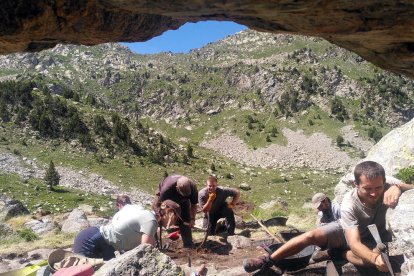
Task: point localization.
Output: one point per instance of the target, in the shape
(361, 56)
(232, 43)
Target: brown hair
(370, 170)
(123, 200)
(211, 178)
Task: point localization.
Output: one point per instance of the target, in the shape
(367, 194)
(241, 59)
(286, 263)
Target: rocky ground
(354, 138)
(316, 151)
(26, 168)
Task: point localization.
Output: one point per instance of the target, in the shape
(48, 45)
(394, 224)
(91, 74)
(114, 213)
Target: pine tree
(52, 177)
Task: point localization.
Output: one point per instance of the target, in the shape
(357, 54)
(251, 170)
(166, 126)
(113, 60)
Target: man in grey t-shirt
(365, 204)
(212, 200)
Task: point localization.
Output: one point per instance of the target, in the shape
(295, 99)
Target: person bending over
(183, 191)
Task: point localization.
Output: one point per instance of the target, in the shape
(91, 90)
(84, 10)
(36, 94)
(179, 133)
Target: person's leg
(354, 259)
(329, 235)
(90, 243)
(357, 261)
(185, 229)
(293, 246)
(106, 250)
(213, 218)
(228, 214)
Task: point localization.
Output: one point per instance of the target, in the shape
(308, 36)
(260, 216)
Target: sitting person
(130, 226)
(365, 204)
(212, 200)
(327, 211)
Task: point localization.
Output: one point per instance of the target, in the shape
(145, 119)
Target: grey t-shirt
(355, 215)
(221, 195)
(126, 228)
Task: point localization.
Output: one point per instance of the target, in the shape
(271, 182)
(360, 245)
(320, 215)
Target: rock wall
(368, 28)
(395, 150)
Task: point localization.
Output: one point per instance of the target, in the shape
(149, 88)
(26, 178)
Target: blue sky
(189, 36)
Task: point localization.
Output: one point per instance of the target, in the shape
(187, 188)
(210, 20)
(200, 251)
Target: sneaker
(254, 264)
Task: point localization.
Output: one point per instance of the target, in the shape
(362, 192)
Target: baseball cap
(317, 199)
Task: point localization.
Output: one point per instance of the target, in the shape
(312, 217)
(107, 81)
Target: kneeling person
(212, 200)
(130, 226)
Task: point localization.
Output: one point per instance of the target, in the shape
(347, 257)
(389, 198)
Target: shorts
(335, 235)
(90, 243)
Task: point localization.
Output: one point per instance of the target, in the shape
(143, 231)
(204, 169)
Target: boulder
(245, 187)
(97, 221)
(238, 242)
(76, 222)
(401, 221)
(41, 227)
(142, 260)
(5, 230)
(395, 150)
(11, 208)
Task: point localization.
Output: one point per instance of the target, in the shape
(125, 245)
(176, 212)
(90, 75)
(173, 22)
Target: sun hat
(317, 200)
(61, 258)
(168, 203)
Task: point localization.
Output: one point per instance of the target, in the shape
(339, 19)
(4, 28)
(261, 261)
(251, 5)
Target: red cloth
(78, 270)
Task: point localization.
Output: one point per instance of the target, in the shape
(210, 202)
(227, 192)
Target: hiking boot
(254, 264)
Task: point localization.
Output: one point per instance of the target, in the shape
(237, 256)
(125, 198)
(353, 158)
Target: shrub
(375, 134)
(27, 234)
(273, 132)
(339, 140)
(406, 174)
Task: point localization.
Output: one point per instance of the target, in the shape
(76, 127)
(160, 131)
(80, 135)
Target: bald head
(184, 185)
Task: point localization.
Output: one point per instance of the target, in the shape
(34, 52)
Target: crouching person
(366, 204)
(212, 200)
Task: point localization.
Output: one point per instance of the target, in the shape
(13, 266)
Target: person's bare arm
(207, 207)
(236, 198)
(392, 195)
(193, 213)
(147, 239)
(363, 252)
